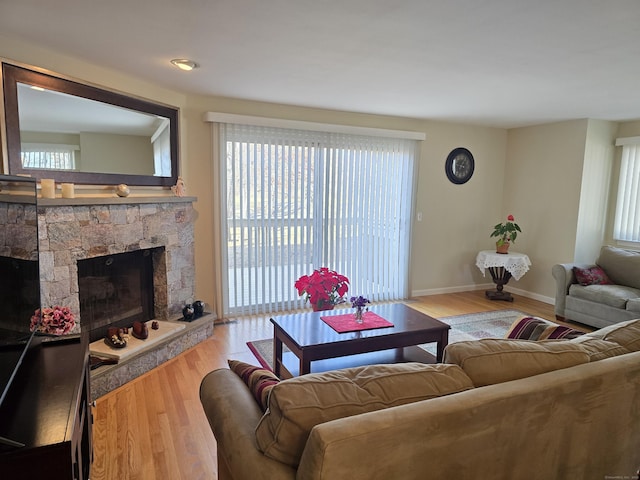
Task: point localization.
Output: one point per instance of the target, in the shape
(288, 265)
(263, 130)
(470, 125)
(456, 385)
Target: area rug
(474, 326)
(471, 326)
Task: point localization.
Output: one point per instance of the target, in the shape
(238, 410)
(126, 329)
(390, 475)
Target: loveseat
(498, 409)
(599, 294)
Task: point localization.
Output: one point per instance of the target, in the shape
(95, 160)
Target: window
(296, 200)
(627, 220)
(161, 141)
(48, 157)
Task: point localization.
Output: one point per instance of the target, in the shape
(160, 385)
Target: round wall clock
(459, 165)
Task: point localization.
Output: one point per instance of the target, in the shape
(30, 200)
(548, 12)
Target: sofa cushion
(591, 276)
(633, 305)
(489, 361)
(259, 380)
(626, 334)
(622, 266)
(296, 405)
(598, 349)
(612, 295)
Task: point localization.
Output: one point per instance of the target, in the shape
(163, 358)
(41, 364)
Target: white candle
(48, 188)
(68, 190)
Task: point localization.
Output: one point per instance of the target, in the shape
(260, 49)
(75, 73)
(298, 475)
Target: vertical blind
(626, 226)
(48, 156)
(296, 200)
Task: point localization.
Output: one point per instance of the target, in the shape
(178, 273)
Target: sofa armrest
(564, 276)
(233, 415)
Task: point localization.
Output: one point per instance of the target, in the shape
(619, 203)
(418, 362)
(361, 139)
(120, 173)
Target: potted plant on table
(323, 289)
(506, 232)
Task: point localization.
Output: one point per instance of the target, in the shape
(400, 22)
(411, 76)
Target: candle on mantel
(48, 188)
(68, 190)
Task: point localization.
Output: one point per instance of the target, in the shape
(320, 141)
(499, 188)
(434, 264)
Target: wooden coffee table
(309, 339)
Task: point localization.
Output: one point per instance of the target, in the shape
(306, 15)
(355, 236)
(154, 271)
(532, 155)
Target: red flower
(323, 286)
(506, 232)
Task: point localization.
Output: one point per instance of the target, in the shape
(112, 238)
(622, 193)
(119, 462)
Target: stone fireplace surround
(73, 229)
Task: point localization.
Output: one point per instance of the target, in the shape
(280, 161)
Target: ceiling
(502, 63)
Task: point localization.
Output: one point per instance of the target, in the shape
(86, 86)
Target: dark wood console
(48, 409)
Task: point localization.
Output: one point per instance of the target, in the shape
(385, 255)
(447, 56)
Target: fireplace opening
(115, 291)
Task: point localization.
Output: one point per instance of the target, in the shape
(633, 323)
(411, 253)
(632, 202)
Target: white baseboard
(484, 286)
(534, 296)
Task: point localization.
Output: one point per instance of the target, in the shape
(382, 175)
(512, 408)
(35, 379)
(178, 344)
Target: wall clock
(459, 165)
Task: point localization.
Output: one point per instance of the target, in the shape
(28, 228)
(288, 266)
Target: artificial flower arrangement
(55, 320)
(323, 289)
(359, 303)
(506, 232)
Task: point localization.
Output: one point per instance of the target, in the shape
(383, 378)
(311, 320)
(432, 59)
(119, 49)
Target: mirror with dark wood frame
(74, 132)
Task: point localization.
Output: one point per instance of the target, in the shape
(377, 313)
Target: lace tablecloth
(517, 264)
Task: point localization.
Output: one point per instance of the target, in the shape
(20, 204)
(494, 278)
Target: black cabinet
(48, 410)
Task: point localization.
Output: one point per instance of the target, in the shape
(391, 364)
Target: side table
(502, 267)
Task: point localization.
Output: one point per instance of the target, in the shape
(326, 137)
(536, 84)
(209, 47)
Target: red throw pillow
(259, 380)
(591, 276)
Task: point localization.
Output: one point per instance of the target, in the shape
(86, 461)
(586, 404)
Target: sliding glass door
(298, 200)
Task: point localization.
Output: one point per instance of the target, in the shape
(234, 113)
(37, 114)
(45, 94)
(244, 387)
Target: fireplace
(116, 290)
(72, 234)
(87, 247)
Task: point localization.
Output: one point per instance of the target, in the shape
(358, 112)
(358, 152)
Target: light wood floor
(153, 428)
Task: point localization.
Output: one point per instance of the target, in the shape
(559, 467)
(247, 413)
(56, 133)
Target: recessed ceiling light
(184, 64)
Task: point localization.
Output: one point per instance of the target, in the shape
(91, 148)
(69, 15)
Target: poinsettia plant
(55, 320)
(323, 287)
(506, 232)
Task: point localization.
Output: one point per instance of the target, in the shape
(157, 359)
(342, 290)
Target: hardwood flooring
(153, 428)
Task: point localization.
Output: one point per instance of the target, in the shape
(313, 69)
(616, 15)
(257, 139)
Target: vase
(321, 307)
(358, 314)
(187, 312)
(502, 248)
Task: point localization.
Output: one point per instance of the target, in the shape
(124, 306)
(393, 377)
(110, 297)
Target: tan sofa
(510, 409)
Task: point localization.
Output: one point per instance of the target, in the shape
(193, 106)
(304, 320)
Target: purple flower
(359, 301)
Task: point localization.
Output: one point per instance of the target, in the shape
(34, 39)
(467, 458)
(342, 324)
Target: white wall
(457, 219)
(115, 153)
(594, 194)
(543, 180)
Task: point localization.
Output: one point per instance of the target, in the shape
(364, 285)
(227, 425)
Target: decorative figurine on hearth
(122, 190)
(179, 189)
(187, 312)
(198, 308)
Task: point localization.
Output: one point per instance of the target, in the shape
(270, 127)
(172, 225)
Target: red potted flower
(506, 232)
(323, 289)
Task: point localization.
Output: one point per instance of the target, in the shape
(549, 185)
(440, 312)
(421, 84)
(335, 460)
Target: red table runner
(347, 322)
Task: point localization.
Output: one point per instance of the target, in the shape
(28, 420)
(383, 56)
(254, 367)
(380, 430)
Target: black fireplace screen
(115, 290)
